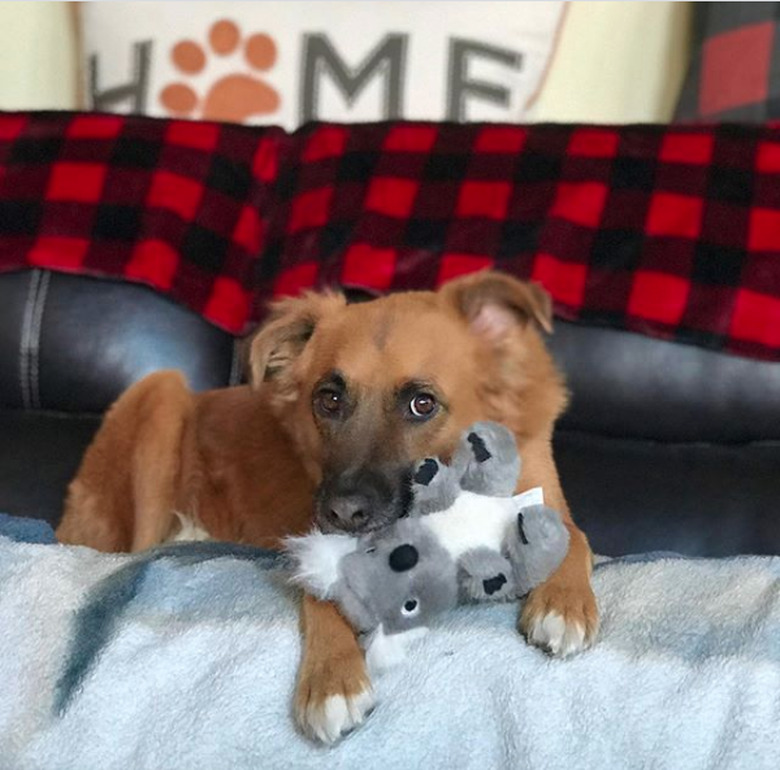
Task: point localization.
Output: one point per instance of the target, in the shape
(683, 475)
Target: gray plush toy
(467, 538)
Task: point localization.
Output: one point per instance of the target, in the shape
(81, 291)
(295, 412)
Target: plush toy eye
(328, 402)
(423, 406)
(411, 607)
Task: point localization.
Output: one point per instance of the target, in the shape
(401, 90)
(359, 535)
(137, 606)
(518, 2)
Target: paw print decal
(234, 97)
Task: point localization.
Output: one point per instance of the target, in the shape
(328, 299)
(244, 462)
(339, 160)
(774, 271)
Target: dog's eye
(423, 406)
(411, 607)
(328, 402)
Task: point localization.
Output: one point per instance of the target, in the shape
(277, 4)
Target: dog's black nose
(362, 500)
(348, 512)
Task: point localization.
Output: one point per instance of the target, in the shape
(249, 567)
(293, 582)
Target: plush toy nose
(403, 558)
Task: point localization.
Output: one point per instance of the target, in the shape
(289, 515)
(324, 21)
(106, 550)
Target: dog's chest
(189, 530)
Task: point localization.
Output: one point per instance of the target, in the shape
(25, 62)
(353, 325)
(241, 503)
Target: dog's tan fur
(244, 462)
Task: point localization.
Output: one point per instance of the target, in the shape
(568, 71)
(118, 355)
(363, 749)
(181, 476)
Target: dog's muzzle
(363, 500)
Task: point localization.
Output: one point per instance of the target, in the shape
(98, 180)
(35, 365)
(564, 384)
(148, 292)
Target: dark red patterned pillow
(735, 70)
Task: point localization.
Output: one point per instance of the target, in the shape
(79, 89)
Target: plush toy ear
(487, 460)
(539, 546)
(316, 560)
(426, 471)
(485, 575)
(284, 335)
(434, 487)
(495, 304)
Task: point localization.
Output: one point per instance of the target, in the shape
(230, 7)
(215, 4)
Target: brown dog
(345, 398)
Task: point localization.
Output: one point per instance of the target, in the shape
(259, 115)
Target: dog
(344, 399)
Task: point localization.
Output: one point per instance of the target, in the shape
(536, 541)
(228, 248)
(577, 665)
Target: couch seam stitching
(35, 357)
(25, 339)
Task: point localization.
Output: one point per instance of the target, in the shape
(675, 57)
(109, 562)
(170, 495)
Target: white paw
(552, 633)
(337, 715)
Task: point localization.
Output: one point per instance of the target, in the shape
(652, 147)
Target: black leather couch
(665, 446)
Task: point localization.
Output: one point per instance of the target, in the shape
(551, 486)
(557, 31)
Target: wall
(618, 62)
(37, 59)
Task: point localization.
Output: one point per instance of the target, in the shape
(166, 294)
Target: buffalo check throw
(734, 73)
(668, 231)
(175, 205)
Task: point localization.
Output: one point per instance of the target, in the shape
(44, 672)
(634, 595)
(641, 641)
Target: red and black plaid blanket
(673, 232)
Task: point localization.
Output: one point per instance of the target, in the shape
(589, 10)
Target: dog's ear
(494, 304)
(284, 335)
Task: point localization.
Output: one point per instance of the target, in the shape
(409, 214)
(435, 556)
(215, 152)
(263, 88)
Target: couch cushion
(73, 344)
(39, 455)
(696, 498)
(630, 385)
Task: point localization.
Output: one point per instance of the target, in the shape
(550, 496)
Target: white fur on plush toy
(478, 521)
(318, 560)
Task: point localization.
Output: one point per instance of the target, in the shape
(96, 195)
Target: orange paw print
(234, 97)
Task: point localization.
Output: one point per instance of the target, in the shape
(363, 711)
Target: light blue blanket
(185, 658)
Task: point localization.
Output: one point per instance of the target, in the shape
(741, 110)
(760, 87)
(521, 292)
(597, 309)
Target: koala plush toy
(467, 538)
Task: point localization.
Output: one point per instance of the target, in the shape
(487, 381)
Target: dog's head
(366, 390)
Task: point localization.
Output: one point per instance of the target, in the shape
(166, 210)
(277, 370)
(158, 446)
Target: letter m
(385, 61)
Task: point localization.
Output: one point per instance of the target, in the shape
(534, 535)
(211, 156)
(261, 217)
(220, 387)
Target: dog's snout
(363, 500)
(348, 512)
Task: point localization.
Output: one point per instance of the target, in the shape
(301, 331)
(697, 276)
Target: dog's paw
(332, 700)
(561, 621)
(336, 716)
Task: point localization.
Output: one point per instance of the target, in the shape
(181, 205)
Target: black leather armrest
(73, 344)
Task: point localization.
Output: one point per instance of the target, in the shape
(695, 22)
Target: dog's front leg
(334, 692)
(560, 615)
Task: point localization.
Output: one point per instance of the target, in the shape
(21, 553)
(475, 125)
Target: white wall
(618, 62)
(37, 56)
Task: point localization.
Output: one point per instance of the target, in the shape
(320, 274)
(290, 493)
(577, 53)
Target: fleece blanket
(672, 231)
(185, 657)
